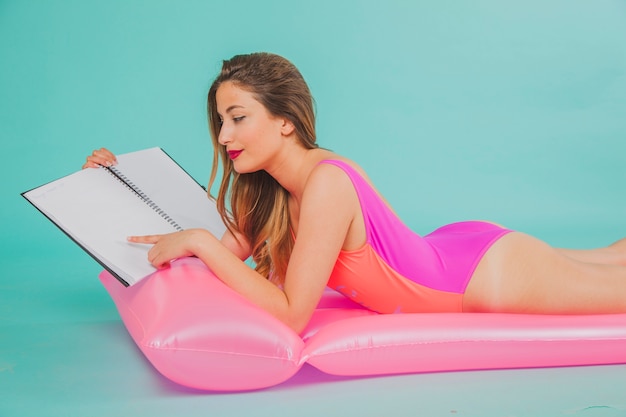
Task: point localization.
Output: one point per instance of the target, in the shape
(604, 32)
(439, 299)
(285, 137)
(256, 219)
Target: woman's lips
(234, 154)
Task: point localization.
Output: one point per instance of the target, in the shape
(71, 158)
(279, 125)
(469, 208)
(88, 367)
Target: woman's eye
(238, 119)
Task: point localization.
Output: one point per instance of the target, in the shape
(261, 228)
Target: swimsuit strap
(385, 232)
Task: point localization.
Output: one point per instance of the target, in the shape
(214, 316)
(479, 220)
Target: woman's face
(252, 136)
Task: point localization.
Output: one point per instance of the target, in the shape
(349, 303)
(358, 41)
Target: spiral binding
(131, 186)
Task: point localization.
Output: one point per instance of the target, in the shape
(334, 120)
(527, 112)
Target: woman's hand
(100, 158)
(173, 245)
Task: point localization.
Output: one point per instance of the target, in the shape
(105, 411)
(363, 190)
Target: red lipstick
(234, 154)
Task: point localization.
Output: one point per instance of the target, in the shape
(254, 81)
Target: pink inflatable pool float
(199, 333)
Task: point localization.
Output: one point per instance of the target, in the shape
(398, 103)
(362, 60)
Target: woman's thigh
(614, 254)
(522, 274)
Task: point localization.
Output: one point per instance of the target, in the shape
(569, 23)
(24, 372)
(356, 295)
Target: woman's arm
(326, 213)
(237, 245)
(328, 209)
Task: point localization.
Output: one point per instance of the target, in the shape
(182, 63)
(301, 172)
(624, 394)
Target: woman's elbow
(296, 321)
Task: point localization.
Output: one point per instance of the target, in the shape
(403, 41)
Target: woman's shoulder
(334, 178)
(328, 175)
(342, 181)
(325, 158)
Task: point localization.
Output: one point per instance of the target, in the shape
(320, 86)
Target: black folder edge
(105, 266)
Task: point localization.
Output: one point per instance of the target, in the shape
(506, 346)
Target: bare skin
(518, 274)
(521, 274)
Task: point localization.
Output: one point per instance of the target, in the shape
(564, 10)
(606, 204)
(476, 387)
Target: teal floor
(64, 352)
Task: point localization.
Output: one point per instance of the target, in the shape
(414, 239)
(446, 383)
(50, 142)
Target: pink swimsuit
(398, 271)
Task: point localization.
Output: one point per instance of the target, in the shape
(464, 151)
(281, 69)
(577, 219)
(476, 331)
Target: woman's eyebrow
(234, 106)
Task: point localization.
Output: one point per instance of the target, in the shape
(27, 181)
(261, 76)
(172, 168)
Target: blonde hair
(259, 204)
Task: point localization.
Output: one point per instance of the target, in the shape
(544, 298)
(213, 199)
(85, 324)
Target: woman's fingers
(100, 158)
(150, 239)
(154, 253)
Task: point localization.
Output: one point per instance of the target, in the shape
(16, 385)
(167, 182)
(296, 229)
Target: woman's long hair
(258, 207)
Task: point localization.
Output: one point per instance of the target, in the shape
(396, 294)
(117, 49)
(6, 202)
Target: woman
(310, 218)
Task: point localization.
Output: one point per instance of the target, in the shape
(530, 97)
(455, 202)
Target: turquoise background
(512, 112)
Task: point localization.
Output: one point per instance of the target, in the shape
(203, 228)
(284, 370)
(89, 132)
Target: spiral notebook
(146, 193)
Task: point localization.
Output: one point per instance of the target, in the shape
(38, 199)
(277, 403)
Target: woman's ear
(287, 128)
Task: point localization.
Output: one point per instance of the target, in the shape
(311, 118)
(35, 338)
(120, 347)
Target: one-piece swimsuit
(399, 271)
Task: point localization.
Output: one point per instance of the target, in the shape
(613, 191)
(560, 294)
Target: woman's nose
(224, 136)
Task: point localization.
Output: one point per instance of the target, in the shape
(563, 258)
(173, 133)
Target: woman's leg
(521, 274)
(614, 254)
